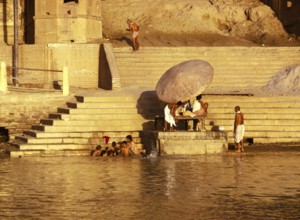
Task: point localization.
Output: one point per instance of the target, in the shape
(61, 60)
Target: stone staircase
(267, 119)
(236, 69)
(81, 124)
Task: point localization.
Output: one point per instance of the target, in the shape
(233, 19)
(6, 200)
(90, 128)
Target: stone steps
(220, 80)
(254, 116)
(112, 111)
(49, 153)
(79, 125)
(71, 140)
(146, 98)
(267, 134)
(254, 122)
(89, 128)
(261, 63)
(294, 128)
(272, 140)
(93, 123)
(61, 147)
(99, 117)
(99, 134)
(269, 110)
(82, 126)
(211, 98)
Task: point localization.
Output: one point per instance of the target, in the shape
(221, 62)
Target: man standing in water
(134, 29)
(239, 129)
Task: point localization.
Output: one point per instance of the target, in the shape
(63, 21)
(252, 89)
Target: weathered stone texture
(59, 22)
(20, 110)
(189, 143)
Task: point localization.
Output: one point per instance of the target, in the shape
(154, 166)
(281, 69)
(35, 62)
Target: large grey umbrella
(184, 81)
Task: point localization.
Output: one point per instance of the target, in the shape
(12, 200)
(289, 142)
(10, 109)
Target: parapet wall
(82, 60)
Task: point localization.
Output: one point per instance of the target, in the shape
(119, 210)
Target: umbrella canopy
(184, 81)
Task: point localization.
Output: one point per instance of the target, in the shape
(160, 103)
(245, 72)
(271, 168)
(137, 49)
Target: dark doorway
(4, 137)
(288, 13)
(104, 73)
(29, 10)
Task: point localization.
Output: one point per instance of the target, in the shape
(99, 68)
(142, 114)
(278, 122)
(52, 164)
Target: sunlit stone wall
(59, 21)
(81, 59)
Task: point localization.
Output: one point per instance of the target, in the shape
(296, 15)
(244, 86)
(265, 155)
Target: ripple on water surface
(262, 186)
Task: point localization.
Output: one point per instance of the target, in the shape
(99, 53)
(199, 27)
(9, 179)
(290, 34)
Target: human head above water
(129, 138)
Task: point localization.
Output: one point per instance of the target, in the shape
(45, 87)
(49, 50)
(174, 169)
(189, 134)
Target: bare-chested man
(239, 129)
(134, 28)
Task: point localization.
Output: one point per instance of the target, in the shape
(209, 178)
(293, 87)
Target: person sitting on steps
(170, 114)
(200, 110)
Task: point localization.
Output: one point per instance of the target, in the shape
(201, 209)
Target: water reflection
(201, 187)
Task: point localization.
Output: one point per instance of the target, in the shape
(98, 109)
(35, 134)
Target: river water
(252, 186)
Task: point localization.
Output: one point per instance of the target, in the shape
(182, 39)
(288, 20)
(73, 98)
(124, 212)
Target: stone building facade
(55, 21)
(64, 21)
(54, 34)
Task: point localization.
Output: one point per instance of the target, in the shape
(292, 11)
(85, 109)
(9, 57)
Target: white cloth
(135, 34)
(239, 133)
(196, 106)
(168, 117)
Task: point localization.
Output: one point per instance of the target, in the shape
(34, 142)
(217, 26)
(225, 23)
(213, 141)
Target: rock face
(195, 23)
(285, 82)
(184, 81)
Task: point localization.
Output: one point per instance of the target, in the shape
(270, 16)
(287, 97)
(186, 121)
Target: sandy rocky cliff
(195, 23)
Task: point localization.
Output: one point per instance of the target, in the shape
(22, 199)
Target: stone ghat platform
(185, 142)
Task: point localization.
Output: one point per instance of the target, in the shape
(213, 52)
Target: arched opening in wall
(29, 12)
(75, 1)
(4, 137)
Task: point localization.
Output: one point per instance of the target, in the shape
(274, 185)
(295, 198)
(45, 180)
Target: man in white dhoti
(169, 116)
(239, 129)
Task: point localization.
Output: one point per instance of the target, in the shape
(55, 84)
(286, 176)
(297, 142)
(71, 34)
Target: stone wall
(19, 110)
(57, 21)
(81, 59)
(52, 21)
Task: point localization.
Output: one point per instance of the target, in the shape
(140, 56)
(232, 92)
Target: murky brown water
(256, 186)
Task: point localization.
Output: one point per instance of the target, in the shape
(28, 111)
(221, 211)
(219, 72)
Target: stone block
(189, 143)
